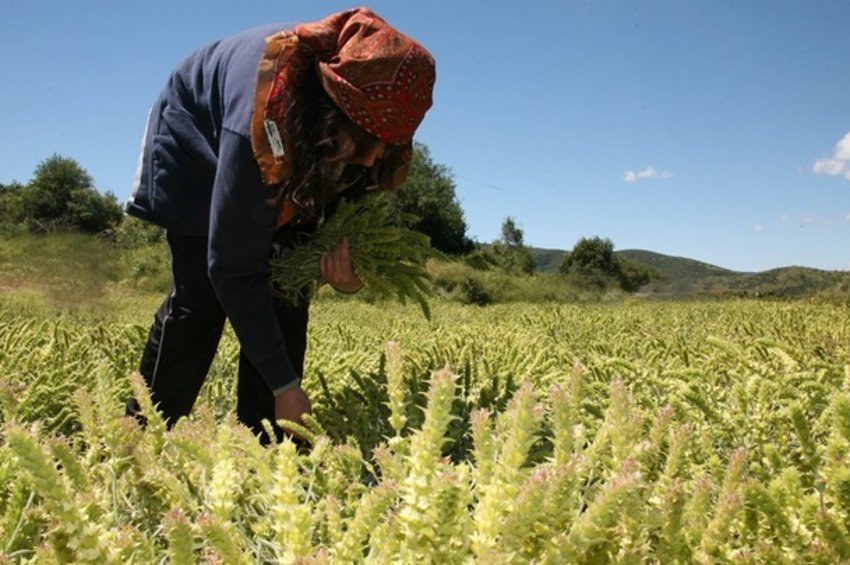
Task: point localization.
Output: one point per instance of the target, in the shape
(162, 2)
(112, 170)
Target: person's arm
(242, 226)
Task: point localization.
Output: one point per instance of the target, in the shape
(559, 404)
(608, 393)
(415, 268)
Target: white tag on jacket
(274, 139)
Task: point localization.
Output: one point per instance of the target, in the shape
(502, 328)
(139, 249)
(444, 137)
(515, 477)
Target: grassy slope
(72, 271)
(68, 267)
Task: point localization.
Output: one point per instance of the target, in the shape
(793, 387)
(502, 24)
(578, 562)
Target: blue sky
(713, 130)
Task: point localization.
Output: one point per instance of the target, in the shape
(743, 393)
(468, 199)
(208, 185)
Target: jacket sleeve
(242, 227)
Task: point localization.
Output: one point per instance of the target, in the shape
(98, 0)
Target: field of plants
(637, 433)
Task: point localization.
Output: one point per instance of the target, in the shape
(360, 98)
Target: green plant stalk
(388, 258)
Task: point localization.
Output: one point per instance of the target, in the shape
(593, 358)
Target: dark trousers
(184, 337)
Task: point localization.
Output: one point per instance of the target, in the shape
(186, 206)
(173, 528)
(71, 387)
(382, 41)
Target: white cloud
(842, 148)
(811, 220)
(758, 228)
(647, 173)
(831, 167)
(784, 217)
(839, 163)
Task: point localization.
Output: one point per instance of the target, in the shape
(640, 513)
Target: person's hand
(292, 405)
(335, 267)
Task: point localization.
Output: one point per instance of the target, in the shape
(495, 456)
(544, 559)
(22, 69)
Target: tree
(428, 199)
(512, 235)
(61, 194)
(634, 275)
(10, 202)
(591, 255)
(510, 251)
(592, 263)
(92, 212)
(54, 182)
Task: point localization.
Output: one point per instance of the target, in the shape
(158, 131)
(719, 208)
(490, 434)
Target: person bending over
(252, 139)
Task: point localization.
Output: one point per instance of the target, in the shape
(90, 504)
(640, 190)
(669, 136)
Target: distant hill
(680, 276)
(547, 260)
(688, 278)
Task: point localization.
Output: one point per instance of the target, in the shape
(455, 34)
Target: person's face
(373, 153)
(367, 149)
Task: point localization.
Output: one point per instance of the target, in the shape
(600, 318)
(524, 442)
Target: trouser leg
(185, 333)
(255, 401)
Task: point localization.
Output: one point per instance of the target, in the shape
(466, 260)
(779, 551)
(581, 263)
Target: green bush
(133, 233)
(633, 275)
(145, 261)
(92, 212)
(481, 259)
(473, 292)
(147, 268)
(60, 196)
(501, 286)
(592, 265)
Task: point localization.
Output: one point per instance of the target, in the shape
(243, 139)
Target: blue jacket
(197, 176)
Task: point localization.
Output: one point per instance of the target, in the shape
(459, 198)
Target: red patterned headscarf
(380, 78)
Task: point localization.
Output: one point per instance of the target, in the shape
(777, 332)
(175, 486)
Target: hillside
(687, 278)
(547, 260)
(682, 277)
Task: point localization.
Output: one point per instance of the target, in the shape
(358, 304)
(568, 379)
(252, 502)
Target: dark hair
(315, 123)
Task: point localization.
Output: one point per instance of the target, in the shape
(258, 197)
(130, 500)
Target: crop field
(635, 433)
